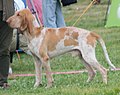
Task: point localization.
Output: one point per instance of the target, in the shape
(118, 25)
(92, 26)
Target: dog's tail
(102, 43)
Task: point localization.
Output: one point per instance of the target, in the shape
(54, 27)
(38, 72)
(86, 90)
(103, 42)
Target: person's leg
(5, 40)
(59, 16)
(49, 16)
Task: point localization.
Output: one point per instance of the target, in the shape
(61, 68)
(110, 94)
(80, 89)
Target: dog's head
(22, 20)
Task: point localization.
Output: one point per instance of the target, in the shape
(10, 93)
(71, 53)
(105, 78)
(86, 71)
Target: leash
(35, 12)
(18, 55)
(59, 73)
(17, 46)
(90, 5)
(55, 73)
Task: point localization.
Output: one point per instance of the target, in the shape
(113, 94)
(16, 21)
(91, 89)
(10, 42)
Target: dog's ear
(23, 20)
(29, 18)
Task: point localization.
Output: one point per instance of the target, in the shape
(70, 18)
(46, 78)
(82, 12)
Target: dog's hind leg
(94, 63)
(91, 72)
(88, 54)
(102, 70)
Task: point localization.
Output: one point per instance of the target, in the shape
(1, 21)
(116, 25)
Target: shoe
(5, 86)
(11, 76)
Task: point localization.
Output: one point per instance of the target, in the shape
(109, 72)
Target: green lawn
(73, 84)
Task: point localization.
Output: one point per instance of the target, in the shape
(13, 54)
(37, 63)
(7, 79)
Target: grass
(73, 84)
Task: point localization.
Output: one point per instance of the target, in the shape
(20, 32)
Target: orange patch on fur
(37, 31)
(91, 38)
(75, 35)
(72, 37)
(69, 42)
(51, 40)
(55, 37)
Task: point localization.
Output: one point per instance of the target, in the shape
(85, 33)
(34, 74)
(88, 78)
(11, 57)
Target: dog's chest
(34, 45)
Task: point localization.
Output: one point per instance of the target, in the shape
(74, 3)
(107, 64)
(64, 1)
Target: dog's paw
(37, 84)
(112, 68)
(89, 79)
(49, 85)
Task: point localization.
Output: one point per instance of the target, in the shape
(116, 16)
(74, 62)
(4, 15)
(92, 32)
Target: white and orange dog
(46, 43)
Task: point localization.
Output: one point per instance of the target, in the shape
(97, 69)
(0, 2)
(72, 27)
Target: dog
(46, 43)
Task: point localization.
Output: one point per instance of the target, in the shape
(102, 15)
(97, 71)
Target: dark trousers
(6, 34)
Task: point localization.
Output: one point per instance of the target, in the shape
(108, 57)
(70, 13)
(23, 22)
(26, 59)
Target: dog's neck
(34, 33)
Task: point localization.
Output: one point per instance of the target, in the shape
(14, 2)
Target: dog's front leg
(38, 70)
(49, 76)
